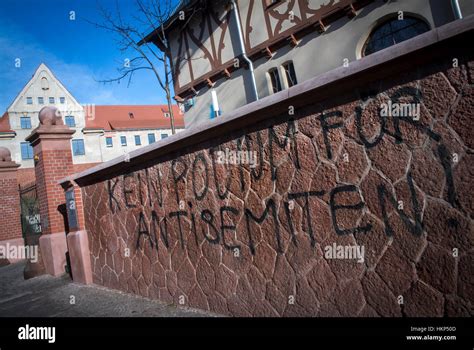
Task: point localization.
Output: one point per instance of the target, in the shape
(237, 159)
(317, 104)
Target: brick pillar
(10, 220)
(77, 239)
(53, 161)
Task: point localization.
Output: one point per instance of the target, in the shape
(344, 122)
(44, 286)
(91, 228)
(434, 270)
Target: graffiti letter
(334, 207)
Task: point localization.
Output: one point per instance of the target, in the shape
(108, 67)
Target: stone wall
(330, 175)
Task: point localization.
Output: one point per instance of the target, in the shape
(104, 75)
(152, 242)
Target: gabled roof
(5, 123)
(40, 68)
(131, 117)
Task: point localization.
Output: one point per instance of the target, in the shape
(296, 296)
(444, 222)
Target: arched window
(393, 31)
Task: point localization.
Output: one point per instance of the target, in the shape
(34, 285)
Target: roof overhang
(170, 23)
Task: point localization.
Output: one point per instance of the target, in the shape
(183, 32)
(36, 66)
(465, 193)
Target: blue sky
(78, 53)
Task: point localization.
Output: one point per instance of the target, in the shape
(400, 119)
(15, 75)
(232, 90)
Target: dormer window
(130, 115)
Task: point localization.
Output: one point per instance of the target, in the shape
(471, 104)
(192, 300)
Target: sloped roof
(183, 5)
(43, 67)
(131, 117)
(5, 123)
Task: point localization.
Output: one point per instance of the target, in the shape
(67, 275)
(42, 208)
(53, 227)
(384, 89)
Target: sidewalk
(47, 296)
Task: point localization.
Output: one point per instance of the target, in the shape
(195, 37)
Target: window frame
(29, 100)
(153, 137)
(25, 119)
(123, 140)
(278, 79)
(107, 138)
(164, 136)
(81, 142)
(51, 99)
(40, 100)
(387, 20)
(62, 100)
(68, 117)
(287, 73)
(29, 150)
(139, 138)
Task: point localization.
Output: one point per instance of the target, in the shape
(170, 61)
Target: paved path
(46, 296)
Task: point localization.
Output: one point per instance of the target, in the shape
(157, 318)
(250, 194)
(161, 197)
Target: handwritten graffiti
(196, 178)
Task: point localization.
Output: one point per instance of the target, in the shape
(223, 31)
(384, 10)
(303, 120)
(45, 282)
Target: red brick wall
(255, 241)
(52, 166)
(10, 224)
(26, 176)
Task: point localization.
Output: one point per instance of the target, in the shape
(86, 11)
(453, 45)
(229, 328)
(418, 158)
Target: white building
(102, 132)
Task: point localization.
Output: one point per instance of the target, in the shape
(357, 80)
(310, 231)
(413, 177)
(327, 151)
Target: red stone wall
(248, 241)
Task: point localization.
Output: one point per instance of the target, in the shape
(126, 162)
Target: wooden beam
(320, 27)
(293, 40)
(210, 83)
(351, 11)
(268, 52)
(178, 99)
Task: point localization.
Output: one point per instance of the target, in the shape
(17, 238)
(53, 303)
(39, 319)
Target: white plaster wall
(316, 53)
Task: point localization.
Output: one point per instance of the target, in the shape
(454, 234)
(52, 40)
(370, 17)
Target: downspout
(456, 9)
(242, 48)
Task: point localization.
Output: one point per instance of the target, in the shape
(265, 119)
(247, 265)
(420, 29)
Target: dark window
(25, 122)
(78, 148)
(40, 100)
(26, 151)
(275, 80)
(164, 136)
(123, 140)
(138, 140)
(70, 121)
(51, 100)
(62, 100)
(392, 32)
(109, 142)
(29, 100)
(290, 74)
(151, 138)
